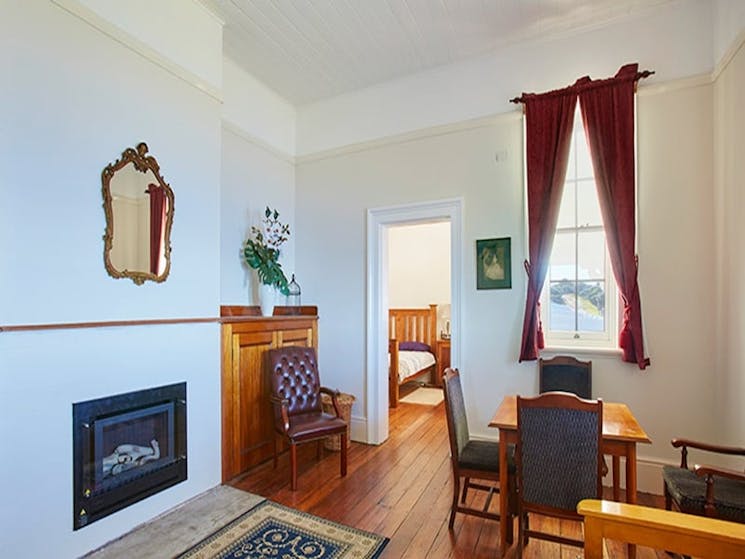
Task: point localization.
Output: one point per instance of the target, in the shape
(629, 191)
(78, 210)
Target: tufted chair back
(294, 377)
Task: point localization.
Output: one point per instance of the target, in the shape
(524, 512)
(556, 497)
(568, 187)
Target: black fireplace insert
(125, 448)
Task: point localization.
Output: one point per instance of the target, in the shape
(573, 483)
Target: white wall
(334, 195)
(674, 204)
(72, 100)
(252, 178)
(419, 265)
(675, 39)
(251, 107)
(729, 122)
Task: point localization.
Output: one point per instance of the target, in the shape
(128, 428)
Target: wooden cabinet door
(247, 421)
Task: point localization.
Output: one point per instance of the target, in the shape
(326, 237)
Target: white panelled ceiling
(307, 50)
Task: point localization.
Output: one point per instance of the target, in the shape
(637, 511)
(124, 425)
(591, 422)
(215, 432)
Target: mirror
(138, 205)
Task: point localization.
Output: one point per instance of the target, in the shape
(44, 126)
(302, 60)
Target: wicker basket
(345, 409)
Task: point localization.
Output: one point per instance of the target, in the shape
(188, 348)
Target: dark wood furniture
(470, 459)
(247, 423)
(442, 359)
(621, 434)
(705, 490)
(559, 460)
(296, 400)
(409, 325)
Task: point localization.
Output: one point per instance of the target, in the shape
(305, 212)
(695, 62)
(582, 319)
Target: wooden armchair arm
(334, 398)
(284, 406)
(709, 472)
(683, 444)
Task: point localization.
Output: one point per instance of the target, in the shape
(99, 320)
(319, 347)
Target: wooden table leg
(503, 494)
(631, 486)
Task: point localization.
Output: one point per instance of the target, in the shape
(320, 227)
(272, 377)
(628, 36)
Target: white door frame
(379, 220)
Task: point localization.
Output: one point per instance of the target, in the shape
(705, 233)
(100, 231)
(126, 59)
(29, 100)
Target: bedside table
(442, 355)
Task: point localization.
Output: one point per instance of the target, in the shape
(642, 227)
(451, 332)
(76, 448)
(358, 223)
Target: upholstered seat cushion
(313, 425)
(689, 491)
(484, 455)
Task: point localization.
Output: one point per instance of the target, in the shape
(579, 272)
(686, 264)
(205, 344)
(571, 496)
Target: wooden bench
(707, 538)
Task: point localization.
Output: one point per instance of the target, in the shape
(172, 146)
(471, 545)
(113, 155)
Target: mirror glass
(138, 205)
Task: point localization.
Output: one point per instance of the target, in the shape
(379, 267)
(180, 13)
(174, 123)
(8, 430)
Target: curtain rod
(591, 84)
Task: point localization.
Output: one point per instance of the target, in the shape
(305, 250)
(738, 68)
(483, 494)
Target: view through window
(579, 300)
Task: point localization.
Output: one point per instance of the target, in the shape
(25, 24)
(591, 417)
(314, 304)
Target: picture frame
(493, 263)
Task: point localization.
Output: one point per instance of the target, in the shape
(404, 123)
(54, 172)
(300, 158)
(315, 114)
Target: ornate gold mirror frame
(138, 205)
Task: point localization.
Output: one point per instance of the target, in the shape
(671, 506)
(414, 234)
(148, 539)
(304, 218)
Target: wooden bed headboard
(413, 325)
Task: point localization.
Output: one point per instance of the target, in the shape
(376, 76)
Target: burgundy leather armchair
(296, 400)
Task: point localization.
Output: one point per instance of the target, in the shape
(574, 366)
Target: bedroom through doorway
(419, 312)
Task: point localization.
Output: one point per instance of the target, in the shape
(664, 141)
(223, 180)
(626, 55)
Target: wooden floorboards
(402, 489)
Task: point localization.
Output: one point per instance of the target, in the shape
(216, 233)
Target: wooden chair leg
(521, 518)
(465, 490)
(343, 454)
(319, 450)
(293, 466)
(456, 491)
(274, 441)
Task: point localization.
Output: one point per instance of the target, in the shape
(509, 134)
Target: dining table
(621, 434)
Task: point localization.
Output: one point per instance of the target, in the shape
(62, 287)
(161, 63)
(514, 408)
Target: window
(579, 302)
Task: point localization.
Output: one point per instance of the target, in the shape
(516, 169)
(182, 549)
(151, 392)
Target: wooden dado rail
(227, 314)
(707, 538)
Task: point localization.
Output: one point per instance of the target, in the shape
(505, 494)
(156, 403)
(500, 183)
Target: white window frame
(608, 339)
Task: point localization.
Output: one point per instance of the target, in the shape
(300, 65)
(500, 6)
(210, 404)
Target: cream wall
(462, 164)
(419, 265)
(729, 137)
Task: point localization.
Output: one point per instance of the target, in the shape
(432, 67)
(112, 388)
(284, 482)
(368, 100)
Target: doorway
(380, 222)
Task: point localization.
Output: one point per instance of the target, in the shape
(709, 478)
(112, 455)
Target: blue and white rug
(271, 530)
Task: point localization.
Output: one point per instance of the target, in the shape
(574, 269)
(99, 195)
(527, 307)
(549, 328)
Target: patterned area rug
(425, 396)
(271, 530)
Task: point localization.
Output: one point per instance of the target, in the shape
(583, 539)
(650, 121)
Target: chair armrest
(683, 444)
(709, 472)
(334, 398)
(281, 405)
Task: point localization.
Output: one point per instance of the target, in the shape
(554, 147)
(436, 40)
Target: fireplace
(125, 448)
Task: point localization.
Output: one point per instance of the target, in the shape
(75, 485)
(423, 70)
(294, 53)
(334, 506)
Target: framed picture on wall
(493, 264)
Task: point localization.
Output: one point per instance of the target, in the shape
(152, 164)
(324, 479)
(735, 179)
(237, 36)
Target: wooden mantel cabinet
(247, 422)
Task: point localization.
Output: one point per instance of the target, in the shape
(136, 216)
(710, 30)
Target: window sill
(553, 350)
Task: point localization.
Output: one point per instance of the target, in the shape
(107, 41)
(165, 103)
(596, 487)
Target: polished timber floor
(403, 489)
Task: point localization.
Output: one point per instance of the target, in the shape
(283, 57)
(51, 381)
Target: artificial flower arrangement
(261, 250)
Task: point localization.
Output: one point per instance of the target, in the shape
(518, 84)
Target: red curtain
(548, 121)
(607, 108)
(157, 224)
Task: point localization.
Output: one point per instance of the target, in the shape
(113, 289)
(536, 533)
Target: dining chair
(296, 400)
(559, 460)
(470, 459)
(564, 373)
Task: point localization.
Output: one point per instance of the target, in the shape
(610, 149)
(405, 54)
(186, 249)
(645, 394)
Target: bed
(411, 345)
